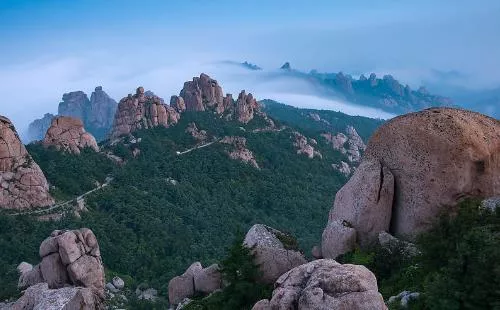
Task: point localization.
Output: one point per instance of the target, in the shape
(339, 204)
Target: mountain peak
(286, 66)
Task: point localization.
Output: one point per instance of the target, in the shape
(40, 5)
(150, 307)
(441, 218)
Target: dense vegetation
(163, 211)
(458, 266)
(331, 121)
(243, 291)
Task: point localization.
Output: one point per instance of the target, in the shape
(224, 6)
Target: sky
(49, 47)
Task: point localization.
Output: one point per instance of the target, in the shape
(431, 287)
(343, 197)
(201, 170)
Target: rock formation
(74, 104)
(70, 272)
(67, 134)
(199, 135)
(38, 128)
(194, 280)
(240, 151)
(417, 166)
(273, 252)
(325, 284)
(303, 146)
(141, 112)
(343, 168)
(246, 105)
(202, 92)
(178, 104)
(100, 114)
(355, 145)
(97, 114)
(22, 183)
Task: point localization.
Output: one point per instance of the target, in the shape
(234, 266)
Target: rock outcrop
(74, 104)
(199, 135)
(142, 112)
(304, 146)
(202, 92)
(349, 143)
(325, 284)
(417, 166)
(246, 105)
(97, 114)
(22, 182)
(67, 134)
(38, 128)
(178, 104)
(273, 251)
(195, 280)
(240, 151)
(71, 271)
(100, 114)
(343, 168)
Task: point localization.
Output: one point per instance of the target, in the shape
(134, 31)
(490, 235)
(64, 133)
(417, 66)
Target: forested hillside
(162, 210)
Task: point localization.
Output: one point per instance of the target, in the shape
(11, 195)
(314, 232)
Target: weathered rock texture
(38, 128)
(304, 146)
(349, 143)
(199, 135)
(71, 269)
(417, 166)
(325, 284)
(22, 183)
(343, 168)
(246, 105)
(273, 252)
(101, 111)
(67, 134)
(240, 151)
(202, 92)
(141, 112)
(195, 280)
(40, 296)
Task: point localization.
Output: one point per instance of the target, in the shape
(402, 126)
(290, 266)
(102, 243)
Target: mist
(50, 48)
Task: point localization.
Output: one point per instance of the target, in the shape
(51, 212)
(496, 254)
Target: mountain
(173, 188)
(96, 113)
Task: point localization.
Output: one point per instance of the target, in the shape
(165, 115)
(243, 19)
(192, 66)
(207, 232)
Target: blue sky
(49, 47)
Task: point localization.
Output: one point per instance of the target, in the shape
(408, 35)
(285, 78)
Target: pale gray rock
(325, 284)
(337, 239)
(183, 286)
(118, 283)
(208, 280)
(272, 256)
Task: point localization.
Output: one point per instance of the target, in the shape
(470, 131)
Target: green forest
(151, 228)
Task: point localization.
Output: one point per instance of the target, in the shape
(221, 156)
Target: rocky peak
(75, 104)
(39, 127)
(373, 80)
(22, 182)
(349, 143)
(141, 111)
(68, 134)
(102, 110)
(304, 146)
(201, 93)
(286, 66)
(344, 82)
(245, 107)
(177, 103)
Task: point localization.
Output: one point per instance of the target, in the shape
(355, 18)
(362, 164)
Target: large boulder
(275, 252)
(325, 284)
(362, 209)
(140, 111)
(208, 280)
(68, 134)
(40, 296)
(246, 105)
(183, 286)
(202, 93)
(70, 275)
(438, 157)
(417, 166)
(22, 182)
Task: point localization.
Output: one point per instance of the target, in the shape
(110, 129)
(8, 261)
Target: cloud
(37, 87)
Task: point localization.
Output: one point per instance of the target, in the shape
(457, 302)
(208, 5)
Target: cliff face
(22, 182)
(67, 133)
(141, 112)
(39, 127)
(415, 167)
